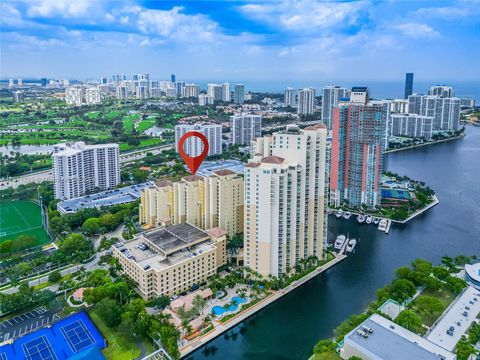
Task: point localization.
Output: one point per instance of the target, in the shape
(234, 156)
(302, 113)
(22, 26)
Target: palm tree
(199, 304)
(184, 314)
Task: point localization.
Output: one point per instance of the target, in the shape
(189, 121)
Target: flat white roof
(453, 316)
(473, 271)
(390, 341)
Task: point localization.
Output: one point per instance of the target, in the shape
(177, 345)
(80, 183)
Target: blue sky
(241, 40)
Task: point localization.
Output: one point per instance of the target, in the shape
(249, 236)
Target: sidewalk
(220, 328)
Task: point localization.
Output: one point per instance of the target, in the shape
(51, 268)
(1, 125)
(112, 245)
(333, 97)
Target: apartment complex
(172, 259)
(239, 94)
(290, 97)
(306, 101)
(444, 110)
(330, 97)
(79, 95)
(79, 168)
(193, 146)
(285, 210)
(358, 137)
(206, 202)
(442, 91)
(245, 128)
(411, 125)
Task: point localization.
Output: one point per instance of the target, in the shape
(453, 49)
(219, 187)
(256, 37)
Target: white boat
(347, 215)
(351, 245)
(339, 242)
(382, 226)
(361, 218)
(376, 220)
(369, 219)
(339, 214)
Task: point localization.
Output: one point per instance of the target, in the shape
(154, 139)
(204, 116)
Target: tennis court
(396, 194)
(21, 218)
(66, 339)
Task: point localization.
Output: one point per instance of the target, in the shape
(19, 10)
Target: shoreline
(424, 144)
(220, 328)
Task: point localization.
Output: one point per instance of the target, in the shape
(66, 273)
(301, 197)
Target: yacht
(361, 218)
(382, 226)
(339, 214)
(339, 242)
(351, 245)
(347, 215)
(369, 219)
(376, 220)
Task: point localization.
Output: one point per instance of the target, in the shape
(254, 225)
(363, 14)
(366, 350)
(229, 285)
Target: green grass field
(21, 218)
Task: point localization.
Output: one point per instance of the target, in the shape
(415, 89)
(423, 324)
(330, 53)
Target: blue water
(378, 89)
(219, 310)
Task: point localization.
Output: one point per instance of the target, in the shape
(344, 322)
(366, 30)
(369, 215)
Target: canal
(289, 328)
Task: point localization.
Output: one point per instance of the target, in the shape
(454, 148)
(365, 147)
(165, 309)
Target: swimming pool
(220, 310)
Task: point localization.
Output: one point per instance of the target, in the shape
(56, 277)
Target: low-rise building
(379, 338)
(170, 260)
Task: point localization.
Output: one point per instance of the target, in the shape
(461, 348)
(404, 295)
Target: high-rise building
(215, 91)
(79, 95)
(226, 94)
(290, 97)
(359, 95)
(10, 83)
(172, 78)
(411, 125)
(193, 146)
(245, 128)
(79, 169)
(180, 88)
(204, 99)
(408, 85)
(19, 82)
(122, 92)
(239, 95)
(18, 96)
(330, 97)
(192, 90)
(444, 110)
(285, 210)
(306, 101)
(467, 102)
(442, 91)
(43, 82)
(356, 155)
(206, 202)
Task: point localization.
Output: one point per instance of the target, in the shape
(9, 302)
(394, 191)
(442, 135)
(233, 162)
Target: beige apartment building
(206, 202)
(285, 210)
(169, 260)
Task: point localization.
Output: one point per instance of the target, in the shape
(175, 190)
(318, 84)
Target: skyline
(239, 39)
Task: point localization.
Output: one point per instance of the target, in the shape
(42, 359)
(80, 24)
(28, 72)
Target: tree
(91, 226)
(402, 289)
(422, 266)
(108, 221)
(161, 302)
(109, 311)
(54, 277)
(199, 304)
(456, 284)
(409, 320)
(324, 346)
(440, 272)
(429, 307)
(76, 247)
(6, 247)
(464, 349)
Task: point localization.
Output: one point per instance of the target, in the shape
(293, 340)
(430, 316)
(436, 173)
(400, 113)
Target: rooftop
(460, 315)
(273, 160)
(390, 341)
(105, 198)
(209, 167)
(175, 237)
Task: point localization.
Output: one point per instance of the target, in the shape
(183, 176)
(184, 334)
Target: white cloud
(417, 30)
(61, 8)
(462, 9)
(305, 15)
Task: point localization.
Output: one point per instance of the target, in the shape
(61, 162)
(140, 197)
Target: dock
(389, 223)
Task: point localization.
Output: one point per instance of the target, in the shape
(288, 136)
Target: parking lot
(27, 322)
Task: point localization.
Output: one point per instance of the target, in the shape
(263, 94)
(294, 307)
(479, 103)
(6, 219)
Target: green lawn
(93, 115)
(112, 114)
(128, 122)
(445, 297)
(143, 144)
(118, 347)
(145, 125)
(21, 217)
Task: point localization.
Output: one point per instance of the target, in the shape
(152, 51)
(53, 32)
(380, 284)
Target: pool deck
(220, 328)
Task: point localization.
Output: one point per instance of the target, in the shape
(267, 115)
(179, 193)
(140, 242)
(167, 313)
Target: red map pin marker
(193, 163)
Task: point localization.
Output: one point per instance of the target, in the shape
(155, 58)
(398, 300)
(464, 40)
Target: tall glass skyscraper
(408, 84)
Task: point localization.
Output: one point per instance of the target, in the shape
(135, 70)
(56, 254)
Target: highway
(46, 175)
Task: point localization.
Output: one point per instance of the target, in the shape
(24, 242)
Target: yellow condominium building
(170, 260)
(206, 202)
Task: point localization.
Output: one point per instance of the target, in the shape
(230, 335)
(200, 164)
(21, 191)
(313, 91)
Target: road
(46, 175)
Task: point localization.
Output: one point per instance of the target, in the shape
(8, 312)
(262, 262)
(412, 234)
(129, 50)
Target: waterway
(289, 328)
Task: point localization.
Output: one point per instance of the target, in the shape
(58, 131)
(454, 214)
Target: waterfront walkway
(220, 328)
(424, 144)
